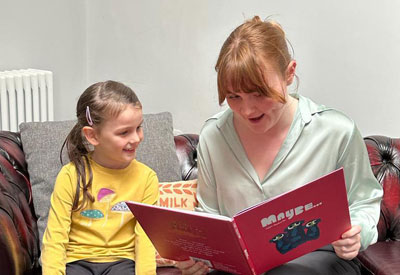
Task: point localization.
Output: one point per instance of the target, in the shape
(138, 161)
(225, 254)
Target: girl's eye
(123, 133)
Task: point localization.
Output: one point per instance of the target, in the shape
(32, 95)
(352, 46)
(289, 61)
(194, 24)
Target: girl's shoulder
(66, 180)
(138, 165)
(68, 168)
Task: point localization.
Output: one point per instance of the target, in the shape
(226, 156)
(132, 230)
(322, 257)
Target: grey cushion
(157, 150)
(42, 143)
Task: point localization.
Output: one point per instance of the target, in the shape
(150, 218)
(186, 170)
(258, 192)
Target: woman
(269, 142)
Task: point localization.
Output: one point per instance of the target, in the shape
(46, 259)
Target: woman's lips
(256, 119)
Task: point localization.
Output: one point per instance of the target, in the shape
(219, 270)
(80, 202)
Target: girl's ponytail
(77, 153)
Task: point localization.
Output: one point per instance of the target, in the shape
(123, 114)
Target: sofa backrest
(384, 155)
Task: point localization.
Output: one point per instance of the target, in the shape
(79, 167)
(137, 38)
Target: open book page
(180, 234)
(295, 223)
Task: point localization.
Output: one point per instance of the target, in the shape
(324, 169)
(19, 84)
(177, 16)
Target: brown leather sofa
(19, 241)
(383, 257)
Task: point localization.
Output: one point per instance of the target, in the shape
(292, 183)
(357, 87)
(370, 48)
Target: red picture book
(258, 238)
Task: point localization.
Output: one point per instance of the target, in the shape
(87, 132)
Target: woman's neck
(261, 149)
(287, 118)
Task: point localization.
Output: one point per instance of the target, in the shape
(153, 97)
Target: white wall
(48, 35)
(347, 51)
(164, 50)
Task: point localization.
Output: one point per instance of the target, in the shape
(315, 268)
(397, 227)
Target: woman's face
(256, 112)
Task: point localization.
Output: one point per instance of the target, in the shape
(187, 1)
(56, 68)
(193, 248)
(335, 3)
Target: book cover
(258, 238)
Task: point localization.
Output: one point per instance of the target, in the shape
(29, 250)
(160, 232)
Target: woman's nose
(247, 107)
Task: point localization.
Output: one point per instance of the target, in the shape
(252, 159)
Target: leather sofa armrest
(19, 240)
(382, 257)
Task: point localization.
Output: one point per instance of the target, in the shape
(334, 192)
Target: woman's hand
(349, 245)
(191, 267)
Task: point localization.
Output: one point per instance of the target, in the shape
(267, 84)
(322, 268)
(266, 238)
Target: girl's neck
(108, 164)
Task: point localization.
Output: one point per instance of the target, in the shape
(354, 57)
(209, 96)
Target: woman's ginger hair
(243, 56)
(99, 102)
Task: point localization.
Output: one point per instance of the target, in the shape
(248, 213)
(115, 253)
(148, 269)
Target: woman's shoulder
(214, 123)
(325, 117)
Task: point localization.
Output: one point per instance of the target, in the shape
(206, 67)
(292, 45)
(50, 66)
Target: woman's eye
(232, 96)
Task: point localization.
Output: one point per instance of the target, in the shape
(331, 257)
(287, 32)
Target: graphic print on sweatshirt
(105, 196)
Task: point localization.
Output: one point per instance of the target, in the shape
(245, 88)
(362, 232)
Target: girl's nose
(135, 138)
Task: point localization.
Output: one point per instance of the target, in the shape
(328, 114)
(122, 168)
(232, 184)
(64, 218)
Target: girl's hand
(191, 267)
(349, 245)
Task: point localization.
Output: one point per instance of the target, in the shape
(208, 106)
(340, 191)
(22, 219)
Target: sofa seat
(382, 258)
(168, 271)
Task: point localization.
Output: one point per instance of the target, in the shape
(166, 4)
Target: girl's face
(256, 112)
(118, 138)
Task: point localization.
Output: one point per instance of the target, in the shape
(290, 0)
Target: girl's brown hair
(100, 101)
(243, 56)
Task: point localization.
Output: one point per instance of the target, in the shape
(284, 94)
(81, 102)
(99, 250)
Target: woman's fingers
(191, 267)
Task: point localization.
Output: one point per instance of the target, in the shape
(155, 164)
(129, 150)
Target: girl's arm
(55, 238)
(145, 253)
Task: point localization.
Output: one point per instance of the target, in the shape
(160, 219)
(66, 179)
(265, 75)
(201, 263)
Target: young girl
(90, 230)
(269, 142)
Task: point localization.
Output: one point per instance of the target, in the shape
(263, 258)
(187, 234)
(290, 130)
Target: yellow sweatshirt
(105, 230)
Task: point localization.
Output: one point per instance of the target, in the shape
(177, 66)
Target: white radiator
(25, 95)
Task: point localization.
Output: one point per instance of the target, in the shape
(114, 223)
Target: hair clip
(88, 117)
